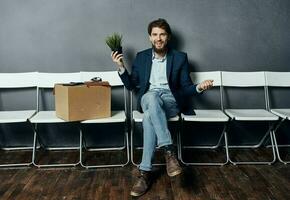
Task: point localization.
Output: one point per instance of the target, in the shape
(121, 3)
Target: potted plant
(115, 42)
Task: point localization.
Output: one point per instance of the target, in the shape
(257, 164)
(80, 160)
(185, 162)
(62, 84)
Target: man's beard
(159, 51)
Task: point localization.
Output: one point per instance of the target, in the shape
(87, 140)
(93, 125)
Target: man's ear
(150, 38)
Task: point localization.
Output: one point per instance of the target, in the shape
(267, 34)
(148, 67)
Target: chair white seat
(46, 117)
(15, 116)
(251, 115)
(206, 116)
(138, 117)
(117, 116)
(283, 113)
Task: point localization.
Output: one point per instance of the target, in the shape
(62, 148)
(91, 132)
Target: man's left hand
(205, 85)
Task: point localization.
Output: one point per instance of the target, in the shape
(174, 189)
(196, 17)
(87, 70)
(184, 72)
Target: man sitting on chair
(161, 79)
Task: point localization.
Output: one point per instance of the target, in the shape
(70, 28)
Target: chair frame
(18, 81)
(260, 76)
(217, 83)
(114, 83)
(48, 83)
(277, 79)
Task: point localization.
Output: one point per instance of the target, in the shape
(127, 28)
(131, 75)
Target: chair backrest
(111, 76)
(47, 80)
(210, 99)
(250, 98)
(18, 80)
(18, 84)
(278, 84)
(243, 79)
(277, 79)
(198, 77)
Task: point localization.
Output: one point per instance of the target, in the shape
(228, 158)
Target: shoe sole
(134, 194)
(175, 173)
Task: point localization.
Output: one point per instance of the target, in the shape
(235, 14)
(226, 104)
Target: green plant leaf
(114, 41)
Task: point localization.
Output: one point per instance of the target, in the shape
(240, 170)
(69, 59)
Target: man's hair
(160, 23)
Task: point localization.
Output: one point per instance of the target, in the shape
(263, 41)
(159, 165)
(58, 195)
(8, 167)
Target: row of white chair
(227, 115)
(40, 82)
(222, 80)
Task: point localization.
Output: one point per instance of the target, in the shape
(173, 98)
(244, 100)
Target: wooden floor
(227, 182)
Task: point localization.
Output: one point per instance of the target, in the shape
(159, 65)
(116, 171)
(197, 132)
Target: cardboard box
(82, 102)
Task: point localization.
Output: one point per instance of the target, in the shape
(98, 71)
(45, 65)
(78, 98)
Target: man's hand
(205, 85)
(118, 59)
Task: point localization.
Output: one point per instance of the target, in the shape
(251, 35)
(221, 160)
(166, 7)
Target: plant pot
(119, 50)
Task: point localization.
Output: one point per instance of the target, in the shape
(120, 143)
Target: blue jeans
(158, 105)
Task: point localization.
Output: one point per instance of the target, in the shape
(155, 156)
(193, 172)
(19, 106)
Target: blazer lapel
(148, 65)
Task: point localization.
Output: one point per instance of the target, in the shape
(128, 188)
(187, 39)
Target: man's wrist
(121, 69)
(198, 89)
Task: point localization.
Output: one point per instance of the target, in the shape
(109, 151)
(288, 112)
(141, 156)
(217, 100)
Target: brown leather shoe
(172, 165)
(141, 184)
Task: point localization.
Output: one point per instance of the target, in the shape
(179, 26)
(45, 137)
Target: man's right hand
(118, 59)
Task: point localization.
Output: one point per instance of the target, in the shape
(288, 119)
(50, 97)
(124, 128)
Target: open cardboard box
(82, 101)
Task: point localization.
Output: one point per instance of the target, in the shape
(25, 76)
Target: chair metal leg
(269, 132)
(276, 143)
(126, 144)
(259, 144)
(277, 150)
(223, 134)
(26, 164)
(206, 147)
(48, 165)
(12, 165)
(16, 148)
(132, 146)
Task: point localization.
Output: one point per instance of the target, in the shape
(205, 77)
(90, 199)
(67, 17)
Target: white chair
(118, 118)
(48, 117)
(246, 81)
(18, 81)
(206, 117)
(276, 80)
(136, 120)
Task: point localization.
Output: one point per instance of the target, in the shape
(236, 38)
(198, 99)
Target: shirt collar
(161, 59)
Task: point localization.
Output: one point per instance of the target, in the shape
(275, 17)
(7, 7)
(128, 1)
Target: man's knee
(151, 99)
(146, 116)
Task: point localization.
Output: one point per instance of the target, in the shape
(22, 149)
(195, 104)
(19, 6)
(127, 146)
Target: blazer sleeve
(131, 81)
(188, 88)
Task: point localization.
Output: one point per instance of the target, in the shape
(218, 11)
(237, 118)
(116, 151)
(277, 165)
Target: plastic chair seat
(15, 116)
(283, 113)
(46, 117)
(251, 115)
(117, 116)
(206, 116)
(138, 117)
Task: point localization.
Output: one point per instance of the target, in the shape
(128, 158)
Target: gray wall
(68, 35)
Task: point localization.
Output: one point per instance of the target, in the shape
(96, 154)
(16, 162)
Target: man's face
(159, 39)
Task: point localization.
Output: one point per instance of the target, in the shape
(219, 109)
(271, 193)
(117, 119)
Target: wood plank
(203, 182)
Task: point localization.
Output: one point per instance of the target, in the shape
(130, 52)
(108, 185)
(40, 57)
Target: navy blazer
(178, 78)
